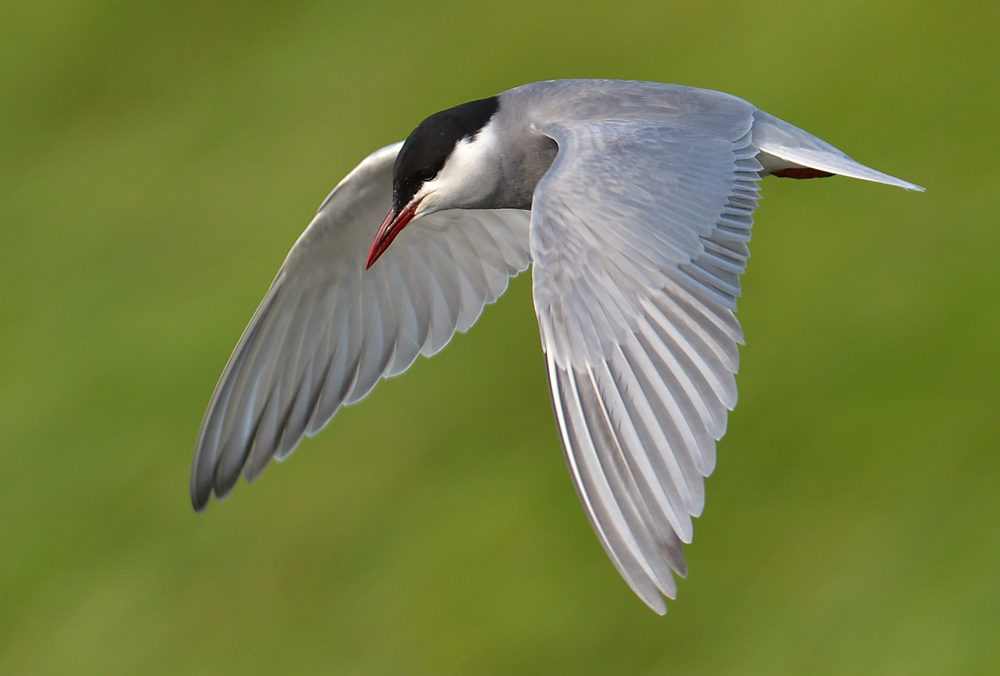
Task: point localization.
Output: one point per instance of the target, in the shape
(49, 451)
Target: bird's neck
(520, 157)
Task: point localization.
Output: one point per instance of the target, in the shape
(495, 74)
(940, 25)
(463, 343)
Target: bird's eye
(425, 175)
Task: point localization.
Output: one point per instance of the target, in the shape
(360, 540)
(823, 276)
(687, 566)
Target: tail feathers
(785, 149)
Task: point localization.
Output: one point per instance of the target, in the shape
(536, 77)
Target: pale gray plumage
(638, 232)
(327, 330)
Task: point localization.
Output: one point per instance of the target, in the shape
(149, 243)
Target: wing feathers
(328, 329)
(619, 497)
(595, 493)
(635, 306)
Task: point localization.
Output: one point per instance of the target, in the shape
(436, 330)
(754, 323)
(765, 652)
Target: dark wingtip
(201, 480)
(199, 495)
(224, 485)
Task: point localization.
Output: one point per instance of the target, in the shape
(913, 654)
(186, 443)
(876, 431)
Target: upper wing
(328, 329)
(638, 237)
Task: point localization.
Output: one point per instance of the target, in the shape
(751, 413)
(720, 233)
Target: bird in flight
(632, 203)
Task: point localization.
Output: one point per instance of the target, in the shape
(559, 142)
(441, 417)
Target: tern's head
(446, 163)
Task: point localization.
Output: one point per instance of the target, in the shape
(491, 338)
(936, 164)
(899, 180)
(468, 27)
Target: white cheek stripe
(462, 171)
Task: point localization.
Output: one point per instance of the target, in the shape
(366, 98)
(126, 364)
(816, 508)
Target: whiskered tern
(632, 202)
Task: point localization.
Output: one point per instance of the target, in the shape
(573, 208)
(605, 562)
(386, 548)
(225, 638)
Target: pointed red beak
(391, 226)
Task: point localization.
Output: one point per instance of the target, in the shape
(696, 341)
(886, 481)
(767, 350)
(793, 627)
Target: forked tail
(787, 151)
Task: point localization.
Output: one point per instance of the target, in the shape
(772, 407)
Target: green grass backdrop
(157, 160)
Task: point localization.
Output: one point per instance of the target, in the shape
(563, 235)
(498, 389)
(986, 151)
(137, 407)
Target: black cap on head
(429, 145)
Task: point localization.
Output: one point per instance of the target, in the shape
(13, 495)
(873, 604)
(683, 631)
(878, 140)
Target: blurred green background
(157, 160)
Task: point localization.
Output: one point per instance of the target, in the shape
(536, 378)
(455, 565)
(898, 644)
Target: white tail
(783, 146)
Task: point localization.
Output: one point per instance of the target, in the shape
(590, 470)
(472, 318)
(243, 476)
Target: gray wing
(328, 329)
(638, 238)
